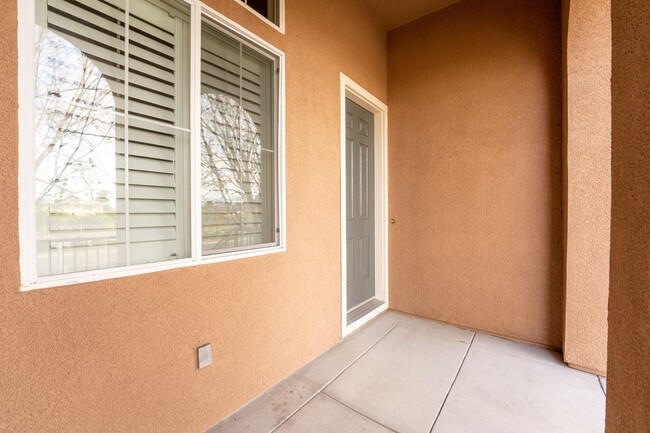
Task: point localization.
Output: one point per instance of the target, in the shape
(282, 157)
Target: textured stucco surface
(588, 183)
(394, 14)
(119, 356)
(475, 93)
(628, 385)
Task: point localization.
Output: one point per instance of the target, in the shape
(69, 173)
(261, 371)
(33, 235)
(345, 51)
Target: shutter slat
(149, 29)
(165, 101)
(144, 164)
(152, 220)
(147, 151)
(227, 62)
(137, 66)
(151, 207)
(149, 234)
(66, 30)
(90, 17)
(152, 57)
(152, 111)
(137, 108)
(155, 251)
(234, 232)
(152, 44)
(146, 136)
(112, 8)
(147, 178)
(92, 50)
(151, 192)
(220, 85)
(153, 14)
(138, 83)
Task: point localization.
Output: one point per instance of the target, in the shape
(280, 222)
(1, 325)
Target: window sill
(131, 271)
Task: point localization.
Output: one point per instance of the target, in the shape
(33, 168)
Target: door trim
(350, 89)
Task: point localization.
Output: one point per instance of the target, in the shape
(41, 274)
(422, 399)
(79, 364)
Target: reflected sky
(75, 127)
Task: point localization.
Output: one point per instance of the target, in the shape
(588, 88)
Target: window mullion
(195, 134)
(127, 225)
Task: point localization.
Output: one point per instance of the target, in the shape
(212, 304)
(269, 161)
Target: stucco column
(587, 182)
(628, 387)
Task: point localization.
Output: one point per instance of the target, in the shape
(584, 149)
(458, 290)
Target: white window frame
(27, 211)
(279, 27)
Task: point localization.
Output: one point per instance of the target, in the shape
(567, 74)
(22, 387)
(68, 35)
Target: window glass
(112, 170)
(238, 191)
(267, 8)
(111, 134)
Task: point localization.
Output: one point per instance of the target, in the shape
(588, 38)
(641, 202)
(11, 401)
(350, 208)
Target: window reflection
(231, 175)
(75, 156)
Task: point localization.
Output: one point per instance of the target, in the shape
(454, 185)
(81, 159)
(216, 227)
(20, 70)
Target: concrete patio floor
(408, 375)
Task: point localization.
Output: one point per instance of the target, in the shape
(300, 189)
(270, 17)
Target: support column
(587, 182)
(628, 386)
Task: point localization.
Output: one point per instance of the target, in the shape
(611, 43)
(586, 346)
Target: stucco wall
(119, 356)
(628, 385)
(588, 182)
(475, 97)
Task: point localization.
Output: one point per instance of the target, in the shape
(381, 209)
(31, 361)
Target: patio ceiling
(396, 13)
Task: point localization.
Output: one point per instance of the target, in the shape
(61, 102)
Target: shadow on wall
(475, 92)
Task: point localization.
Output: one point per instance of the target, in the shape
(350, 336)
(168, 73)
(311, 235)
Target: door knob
(392, 220)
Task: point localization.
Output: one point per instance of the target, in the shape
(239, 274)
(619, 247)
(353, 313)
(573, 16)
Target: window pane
(266, 8)
(86, 205)
(159, 193)
(237, 145)
(159, 140)
(159, 61)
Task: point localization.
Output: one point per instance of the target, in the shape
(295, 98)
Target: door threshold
(358, 306)
(364, 313)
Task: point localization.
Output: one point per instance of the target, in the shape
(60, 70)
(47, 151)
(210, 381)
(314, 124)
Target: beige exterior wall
(628, 385)
(475, 188)
(119, 356)
(588, 182)
(475, 97)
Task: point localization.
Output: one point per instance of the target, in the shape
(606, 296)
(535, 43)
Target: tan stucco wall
(397, 13)
(628, 385)
(119, 356)
(588, 182)
(475, 97)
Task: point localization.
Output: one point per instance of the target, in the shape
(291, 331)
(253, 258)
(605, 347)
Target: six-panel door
(360, 204)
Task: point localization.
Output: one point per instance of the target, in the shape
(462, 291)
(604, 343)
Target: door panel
(360, 204)
(349, 175)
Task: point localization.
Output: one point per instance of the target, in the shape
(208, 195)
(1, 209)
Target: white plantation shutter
(238, 189)
(144, 215)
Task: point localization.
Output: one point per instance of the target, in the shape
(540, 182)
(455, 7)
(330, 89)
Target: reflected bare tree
(75, 125)
(75, 159)
(231, 168)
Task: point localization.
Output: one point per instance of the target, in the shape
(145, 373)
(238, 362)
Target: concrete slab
(274, 406)
(509, 387)
(324, 415)
(403, 380)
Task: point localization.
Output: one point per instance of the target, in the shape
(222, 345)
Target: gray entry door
(360, 205)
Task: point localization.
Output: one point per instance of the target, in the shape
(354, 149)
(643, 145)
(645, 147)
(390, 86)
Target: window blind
(119, 194)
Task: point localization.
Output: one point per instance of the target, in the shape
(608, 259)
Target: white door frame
(356, 93)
